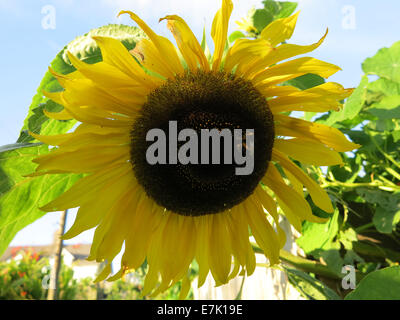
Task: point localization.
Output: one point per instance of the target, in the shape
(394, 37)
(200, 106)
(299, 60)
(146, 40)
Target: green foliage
(309, 286)
(20, 197)
(352, 106)
(382, 284)
(27, 278)
(22, 279)
(364, 230)
(258, 19)
(385, 64)
(366, 190)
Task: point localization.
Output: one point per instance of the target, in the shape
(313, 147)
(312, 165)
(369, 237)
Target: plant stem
(393, 173)
(55, 270)
(304, 264)
(374, 184)
(373, 250)
(364, 227)
(387, 156)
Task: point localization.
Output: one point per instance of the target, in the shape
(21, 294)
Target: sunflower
(172, 215)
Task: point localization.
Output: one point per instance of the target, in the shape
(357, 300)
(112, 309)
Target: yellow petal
(331, 137)
(296, 184)
(74, 104)
(117, 276)
(87, 93)
(142, 224)
(165, 48)
(269, 204)
(177, 254)
(154, 255)
(187, 43)
(86, 188)
(52, 140)
(308, 152)
(109, 235)
(84, 92)
(280, 30)
(244, 51)
(203, 226)
(92, 128)
(185, 288)
(288, 196)
(55, 96)
(84, 160)
(219, 31)
(149, 57)
(98, 117)
(322, 98)
(262, 231)
(115, 54)
(293, 69)
(282, 52)
(104, 273)
(62, 115)
(104, 74)
(220, 250)
(92, 212)
(117, 229)
(273, 91)
(239, 238)
(293, 218)
(318, 195)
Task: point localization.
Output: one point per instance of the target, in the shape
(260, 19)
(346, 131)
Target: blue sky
(27, 49)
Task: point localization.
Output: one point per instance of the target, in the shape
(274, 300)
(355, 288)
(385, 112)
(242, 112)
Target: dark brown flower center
(203, 101)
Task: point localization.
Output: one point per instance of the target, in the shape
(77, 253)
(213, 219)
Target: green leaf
(319, 236)
(382, 284)
(14, 146)
(386, 63)
(386, 219)
(21, 197)
(261, 18)
(280, 9)
(349, 172)
(271, 6)
(310, 287)
(352, 107)
(332, 259)
(385, 86)
(382, 198)
(86, 49)
(286, 9)
(387, 108)
(306, 81)
(235, 35)
(396, 135)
